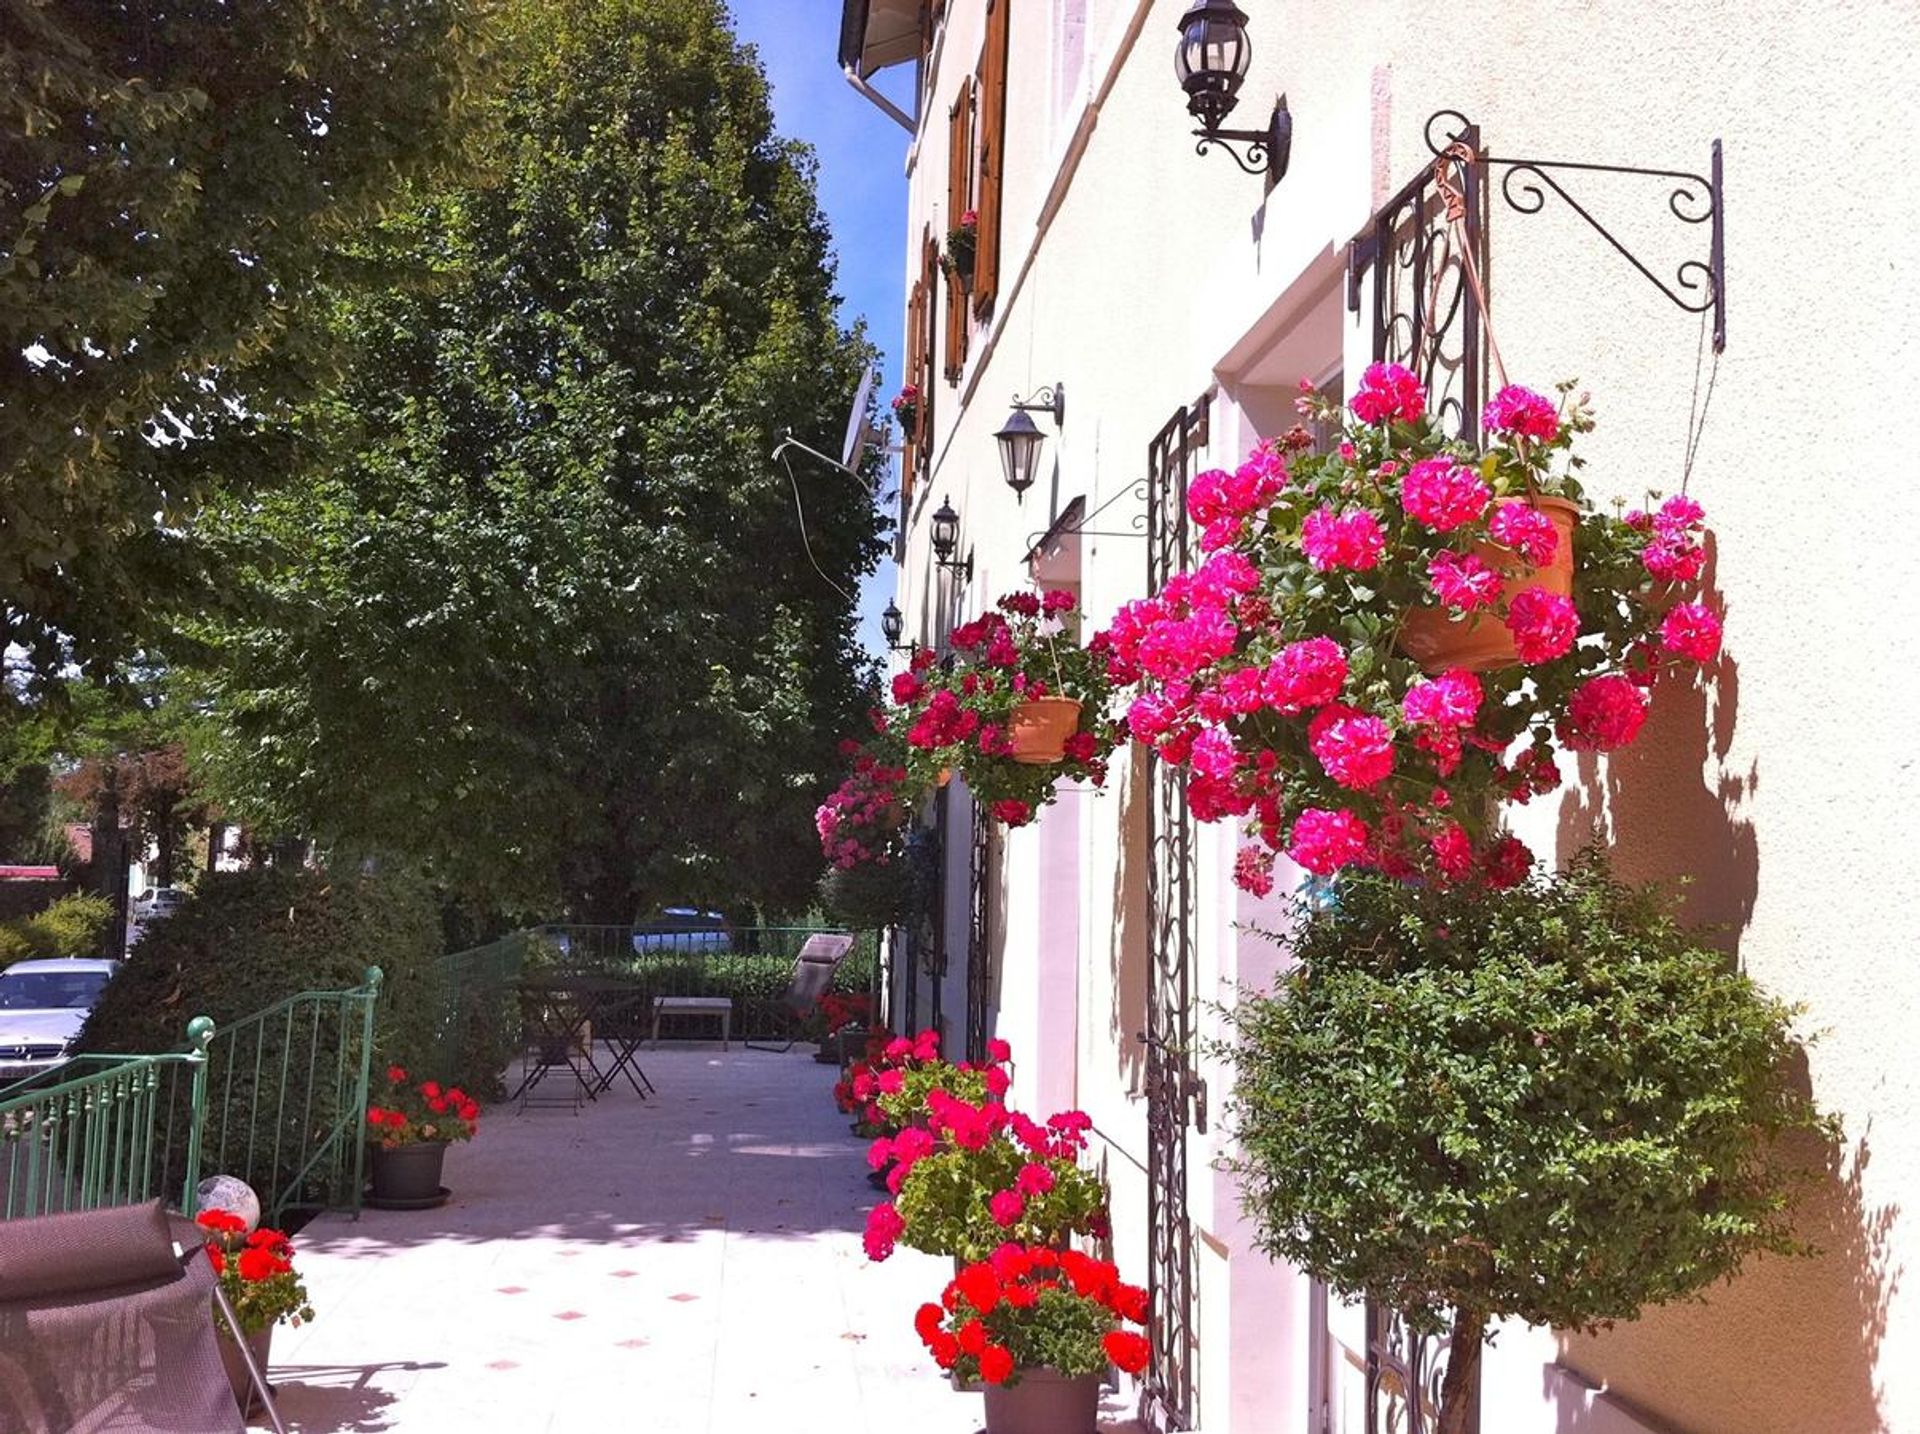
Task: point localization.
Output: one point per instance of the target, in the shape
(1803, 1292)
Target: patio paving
(688, 1264)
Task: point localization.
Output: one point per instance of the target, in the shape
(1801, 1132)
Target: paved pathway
(689, 1264)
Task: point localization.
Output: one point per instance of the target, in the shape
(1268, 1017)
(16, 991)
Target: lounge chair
(812, 978)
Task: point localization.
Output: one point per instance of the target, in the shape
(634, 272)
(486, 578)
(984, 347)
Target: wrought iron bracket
(1050, 399)
(1268, 150)
(1697, 287)
(1138, 530)
(1192, 1090)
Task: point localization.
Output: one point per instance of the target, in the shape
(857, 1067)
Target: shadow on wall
(1128, 951)
(1790, 1346)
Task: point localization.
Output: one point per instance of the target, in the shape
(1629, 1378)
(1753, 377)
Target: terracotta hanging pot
(1039, 729)
(1481, 642)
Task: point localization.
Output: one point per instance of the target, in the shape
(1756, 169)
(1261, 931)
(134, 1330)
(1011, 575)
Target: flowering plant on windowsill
(1276, 672)
(410, 1114)
(961, 716)
(906, 407)
(978, 1175)
(1030, 1307)
(256, 1272)
(963, 242)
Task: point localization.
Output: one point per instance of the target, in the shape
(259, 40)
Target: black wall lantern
(945, 536)
(1211, 62)
(892, 624)
(1020, 438)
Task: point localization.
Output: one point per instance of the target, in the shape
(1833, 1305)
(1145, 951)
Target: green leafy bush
(279, 1088)
(71, 926)
(867, 895)
(1552, 1104)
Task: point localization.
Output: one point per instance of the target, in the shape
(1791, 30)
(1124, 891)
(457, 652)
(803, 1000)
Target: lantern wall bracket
(1050, 399)
(1268, 150)
(1698, 287)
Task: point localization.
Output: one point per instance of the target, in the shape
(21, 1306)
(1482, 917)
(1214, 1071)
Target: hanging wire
(1697, 405)
(800, 513)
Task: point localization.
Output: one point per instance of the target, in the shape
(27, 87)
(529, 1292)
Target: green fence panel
(105, 1130)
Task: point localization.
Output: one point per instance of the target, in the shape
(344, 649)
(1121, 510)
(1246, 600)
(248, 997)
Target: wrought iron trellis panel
(1405, 1369)
(1423, 311)
(1170, 899)
(980, 937)
(935, 961)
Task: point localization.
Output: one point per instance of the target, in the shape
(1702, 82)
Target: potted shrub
(1037, 1327)
(256, 1273)
(408, 1133)
(1378, 627)
(1021, 705)
(843, 1018)
(1551, 1104)
(963, 242)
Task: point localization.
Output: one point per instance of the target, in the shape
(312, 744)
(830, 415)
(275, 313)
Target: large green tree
(176, 178)
(537, 609)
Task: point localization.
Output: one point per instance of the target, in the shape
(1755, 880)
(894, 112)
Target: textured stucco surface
(1788, 793)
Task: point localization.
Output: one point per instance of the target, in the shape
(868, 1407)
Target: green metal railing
(110, 1130)
(286, 1102)
(480, 1023)
(277, 1098)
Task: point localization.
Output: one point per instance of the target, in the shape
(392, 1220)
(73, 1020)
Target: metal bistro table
(567, 1014)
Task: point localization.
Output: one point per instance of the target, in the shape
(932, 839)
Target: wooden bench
(721, 1006)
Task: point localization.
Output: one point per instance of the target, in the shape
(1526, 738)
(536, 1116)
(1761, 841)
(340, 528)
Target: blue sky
(863, 190)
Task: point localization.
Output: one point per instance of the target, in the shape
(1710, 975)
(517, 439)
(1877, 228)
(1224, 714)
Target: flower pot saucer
(418, 1202)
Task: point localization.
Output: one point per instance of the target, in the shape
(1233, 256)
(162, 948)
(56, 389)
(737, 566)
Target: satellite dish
(858, 435)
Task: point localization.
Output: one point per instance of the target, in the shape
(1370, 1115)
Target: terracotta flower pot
(1481, 642)
(1039, 729)
(261, 1343)
(406, 1172)
(1045, 1402)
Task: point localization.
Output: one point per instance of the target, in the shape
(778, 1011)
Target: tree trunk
(1460, 1389)
(216, 834)
(110, 863)
(163, 845)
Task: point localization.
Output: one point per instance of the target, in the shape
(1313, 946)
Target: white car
(43, 1004)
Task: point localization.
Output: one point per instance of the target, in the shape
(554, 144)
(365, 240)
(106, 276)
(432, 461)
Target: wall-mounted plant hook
(1698, 287)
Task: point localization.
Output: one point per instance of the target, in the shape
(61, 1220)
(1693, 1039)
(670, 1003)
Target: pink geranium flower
(1527, 530)
(1520, 410)
(1347, 540)
(1006, 1207)
(1388, 391)
(1544, 624)
(1325, 841)
(1309, 673)
(1253, 871)
(1604, 713)
(1462, 581)
(1443, 494)
(1690, 630)
(1450, 700)
(1355, 749)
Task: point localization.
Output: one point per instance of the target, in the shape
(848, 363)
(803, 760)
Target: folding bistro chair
(812, 978)
(105, 1325)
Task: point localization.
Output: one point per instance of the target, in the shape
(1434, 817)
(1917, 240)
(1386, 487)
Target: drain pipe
(879, 101)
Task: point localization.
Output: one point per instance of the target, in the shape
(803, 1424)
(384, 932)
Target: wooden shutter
(960, 172)
(910, 433)
(929, 281)
(992, 108)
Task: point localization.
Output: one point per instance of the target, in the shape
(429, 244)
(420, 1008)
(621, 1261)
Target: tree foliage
(1551, 1104)
(536, 609)
(176, 180)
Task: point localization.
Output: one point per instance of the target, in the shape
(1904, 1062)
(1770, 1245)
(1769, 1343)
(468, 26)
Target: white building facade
(1177, 302)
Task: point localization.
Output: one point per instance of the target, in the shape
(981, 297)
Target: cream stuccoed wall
(1141, 275)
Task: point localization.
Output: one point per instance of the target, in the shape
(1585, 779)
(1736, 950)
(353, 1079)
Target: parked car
(683, 928)
(43, 1004)
(159, 902)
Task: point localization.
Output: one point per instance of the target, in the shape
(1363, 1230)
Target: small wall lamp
(1020, 438)
(892, 625)
(945, 537)
(1211, 64)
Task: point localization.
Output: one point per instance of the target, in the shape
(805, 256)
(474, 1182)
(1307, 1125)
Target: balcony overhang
(877, 34)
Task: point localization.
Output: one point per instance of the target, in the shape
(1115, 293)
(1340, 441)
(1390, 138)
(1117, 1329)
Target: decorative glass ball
(235, 1196)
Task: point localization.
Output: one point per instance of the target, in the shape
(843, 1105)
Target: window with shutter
(960, 178)
(930, 282)
(991, 106)
(910, 432)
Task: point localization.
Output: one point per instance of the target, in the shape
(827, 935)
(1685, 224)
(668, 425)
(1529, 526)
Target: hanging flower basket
(1480, 642)
(1040, 729)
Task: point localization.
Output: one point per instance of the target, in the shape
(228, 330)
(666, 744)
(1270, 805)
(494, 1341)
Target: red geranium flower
(1128, 1350)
